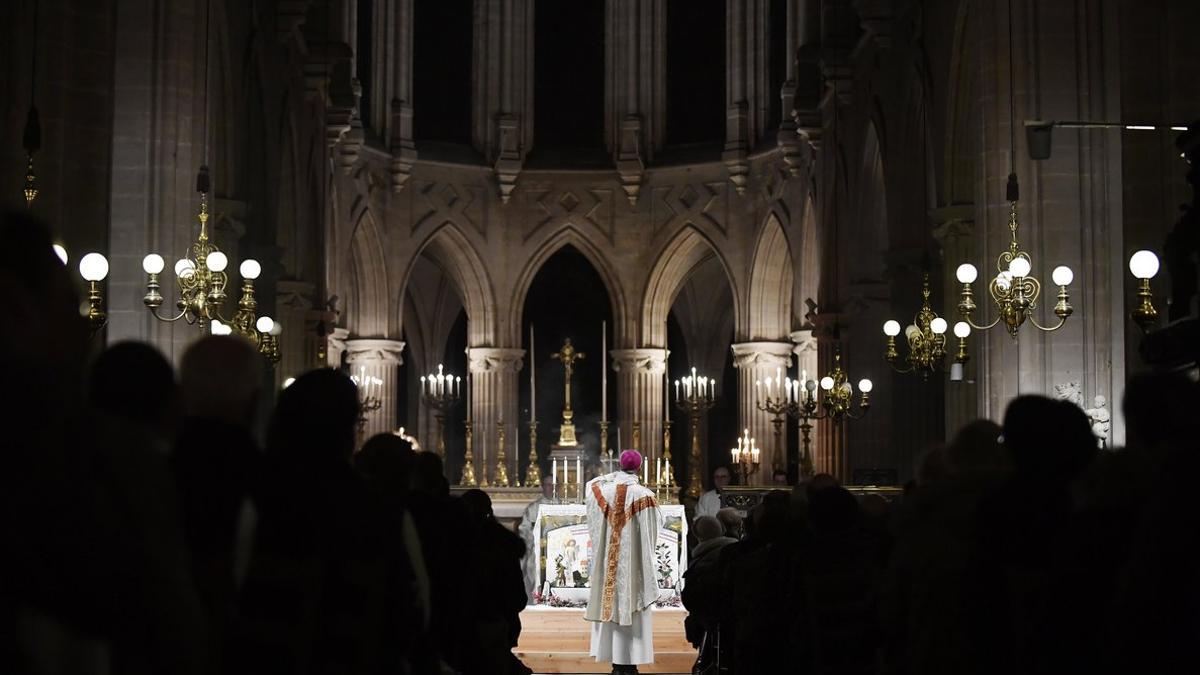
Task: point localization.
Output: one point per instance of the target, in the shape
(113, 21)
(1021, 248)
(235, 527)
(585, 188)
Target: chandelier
(1014, 291)
(926, 337)
(745, 456)
(201, 280)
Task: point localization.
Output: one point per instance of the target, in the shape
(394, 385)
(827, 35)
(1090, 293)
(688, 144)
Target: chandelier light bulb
(153, 263)
(264, 324)
(276, 328)
(1004, 281)
(61, 253)
(962, 329)
(846, 388)
(184, 267)
(288, 382)
(216, 261)
(938, 326)
(93, 267)
(1062, 275)
(865, 386)
(250, 269)
(219, 328)
(1019, 267)
(827, 383)
(1143, 264)
(967, 273)
(891, 328)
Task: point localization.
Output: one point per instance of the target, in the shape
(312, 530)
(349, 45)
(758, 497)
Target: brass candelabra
(533, 473)
(699, 395)
(369, 388)
(778, 406)
(441, 391)
(926, 337)
(745, 457)
(468, 470)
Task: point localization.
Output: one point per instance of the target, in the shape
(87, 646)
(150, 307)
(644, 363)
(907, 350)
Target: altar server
(623, 524)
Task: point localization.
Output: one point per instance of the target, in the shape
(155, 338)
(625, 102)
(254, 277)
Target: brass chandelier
(1014, 290)
(926, 337)
(201, 279)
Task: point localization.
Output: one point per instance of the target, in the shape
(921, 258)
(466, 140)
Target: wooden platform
(556, 640)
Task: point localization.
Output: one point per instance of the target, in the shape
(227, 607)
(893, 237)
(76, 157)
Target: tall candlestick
(578, 479)
(532, 377)
(604, 371)
(554, 474)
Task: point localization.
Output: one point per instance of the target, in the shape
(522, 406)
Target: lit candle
(532, 377)
(676, 391)
(422, 384)
(604, 371)
(734, 452)
(554, 472)
(457, 387)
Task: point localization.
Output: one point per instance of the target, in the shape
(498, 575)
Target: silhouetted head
(386, 461)
(707, 527)
(132, 381)
(478, 504)
(820, 482)
(833, 509)
(975, 451)
(41, 305)
(221, 378)
(428, 477)
(1047, 440)
(315, 418)
(1160, 408)
(772, 515)
(732, 521)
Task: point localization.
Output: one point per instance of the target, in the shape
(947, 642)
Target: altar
(564, 552)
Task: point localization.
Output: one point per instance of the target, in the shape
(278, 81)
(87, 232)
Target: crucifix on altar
(567, 356)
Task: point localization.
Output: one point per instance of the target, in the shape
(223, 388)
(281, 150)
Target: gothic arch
(568, 235)
(451, 250)
(808, 280)
(674, 265)
(369, 269)
(870, 230)
(770, 305)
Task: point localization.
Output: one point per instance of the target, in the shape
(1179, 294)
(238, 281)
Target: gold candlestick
(468, 470)
(533, 473)
(501, 458)
(603, 438)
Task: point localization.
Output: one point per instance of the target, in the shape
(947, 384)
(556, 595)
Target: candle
(554, 472)
(658, 471)
(676, 391)
(619, 446)
(645, 473)
(734, 453)
(422, 384)
(604, 371)
(578, 478)
(457, 387)
(532, 378)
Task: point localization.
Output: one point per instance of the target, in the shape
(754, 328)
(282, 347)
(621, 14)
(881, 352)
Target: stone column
(293, 306)
(494, 400)
(640, 377)
(756, 361)
(378, 358)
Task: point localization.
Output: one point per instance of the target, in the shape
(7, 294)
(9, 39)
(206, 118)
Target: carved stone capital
(650, 361)
(511, 155)
(337, 339)
(805, 341)
(629, 157)
(374, 351)
(762, 354)
(495, 359)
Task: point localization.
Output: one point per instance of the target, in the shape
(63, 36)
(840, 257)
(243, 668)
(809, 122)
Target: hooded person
(623, 524)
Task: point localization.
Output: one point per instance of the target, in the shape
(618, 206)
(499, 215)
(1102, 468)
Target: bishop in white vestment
(623, 524)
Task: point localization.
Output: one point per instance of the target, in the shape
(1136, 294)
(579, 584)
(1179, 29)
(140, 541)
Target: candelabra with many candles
(369, 388)
(800, 399)
(695, 395)
(745, 457)
(441, 391)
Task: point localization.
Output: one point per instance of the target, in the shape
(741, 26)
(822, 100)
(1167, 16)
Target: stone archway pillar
(640, 377)
(494, 400)
(371, 357)
(756, 361)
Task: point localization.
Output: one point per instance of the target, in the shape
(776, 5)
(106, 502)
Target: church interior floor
(556, 640)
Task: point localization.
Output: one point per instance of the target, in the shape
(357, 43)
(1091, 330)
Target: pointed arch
(568, 235)
(870, 224)
(770, 303)
(807, 277)
(451, 250)
(671, 270)
(369, 278)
